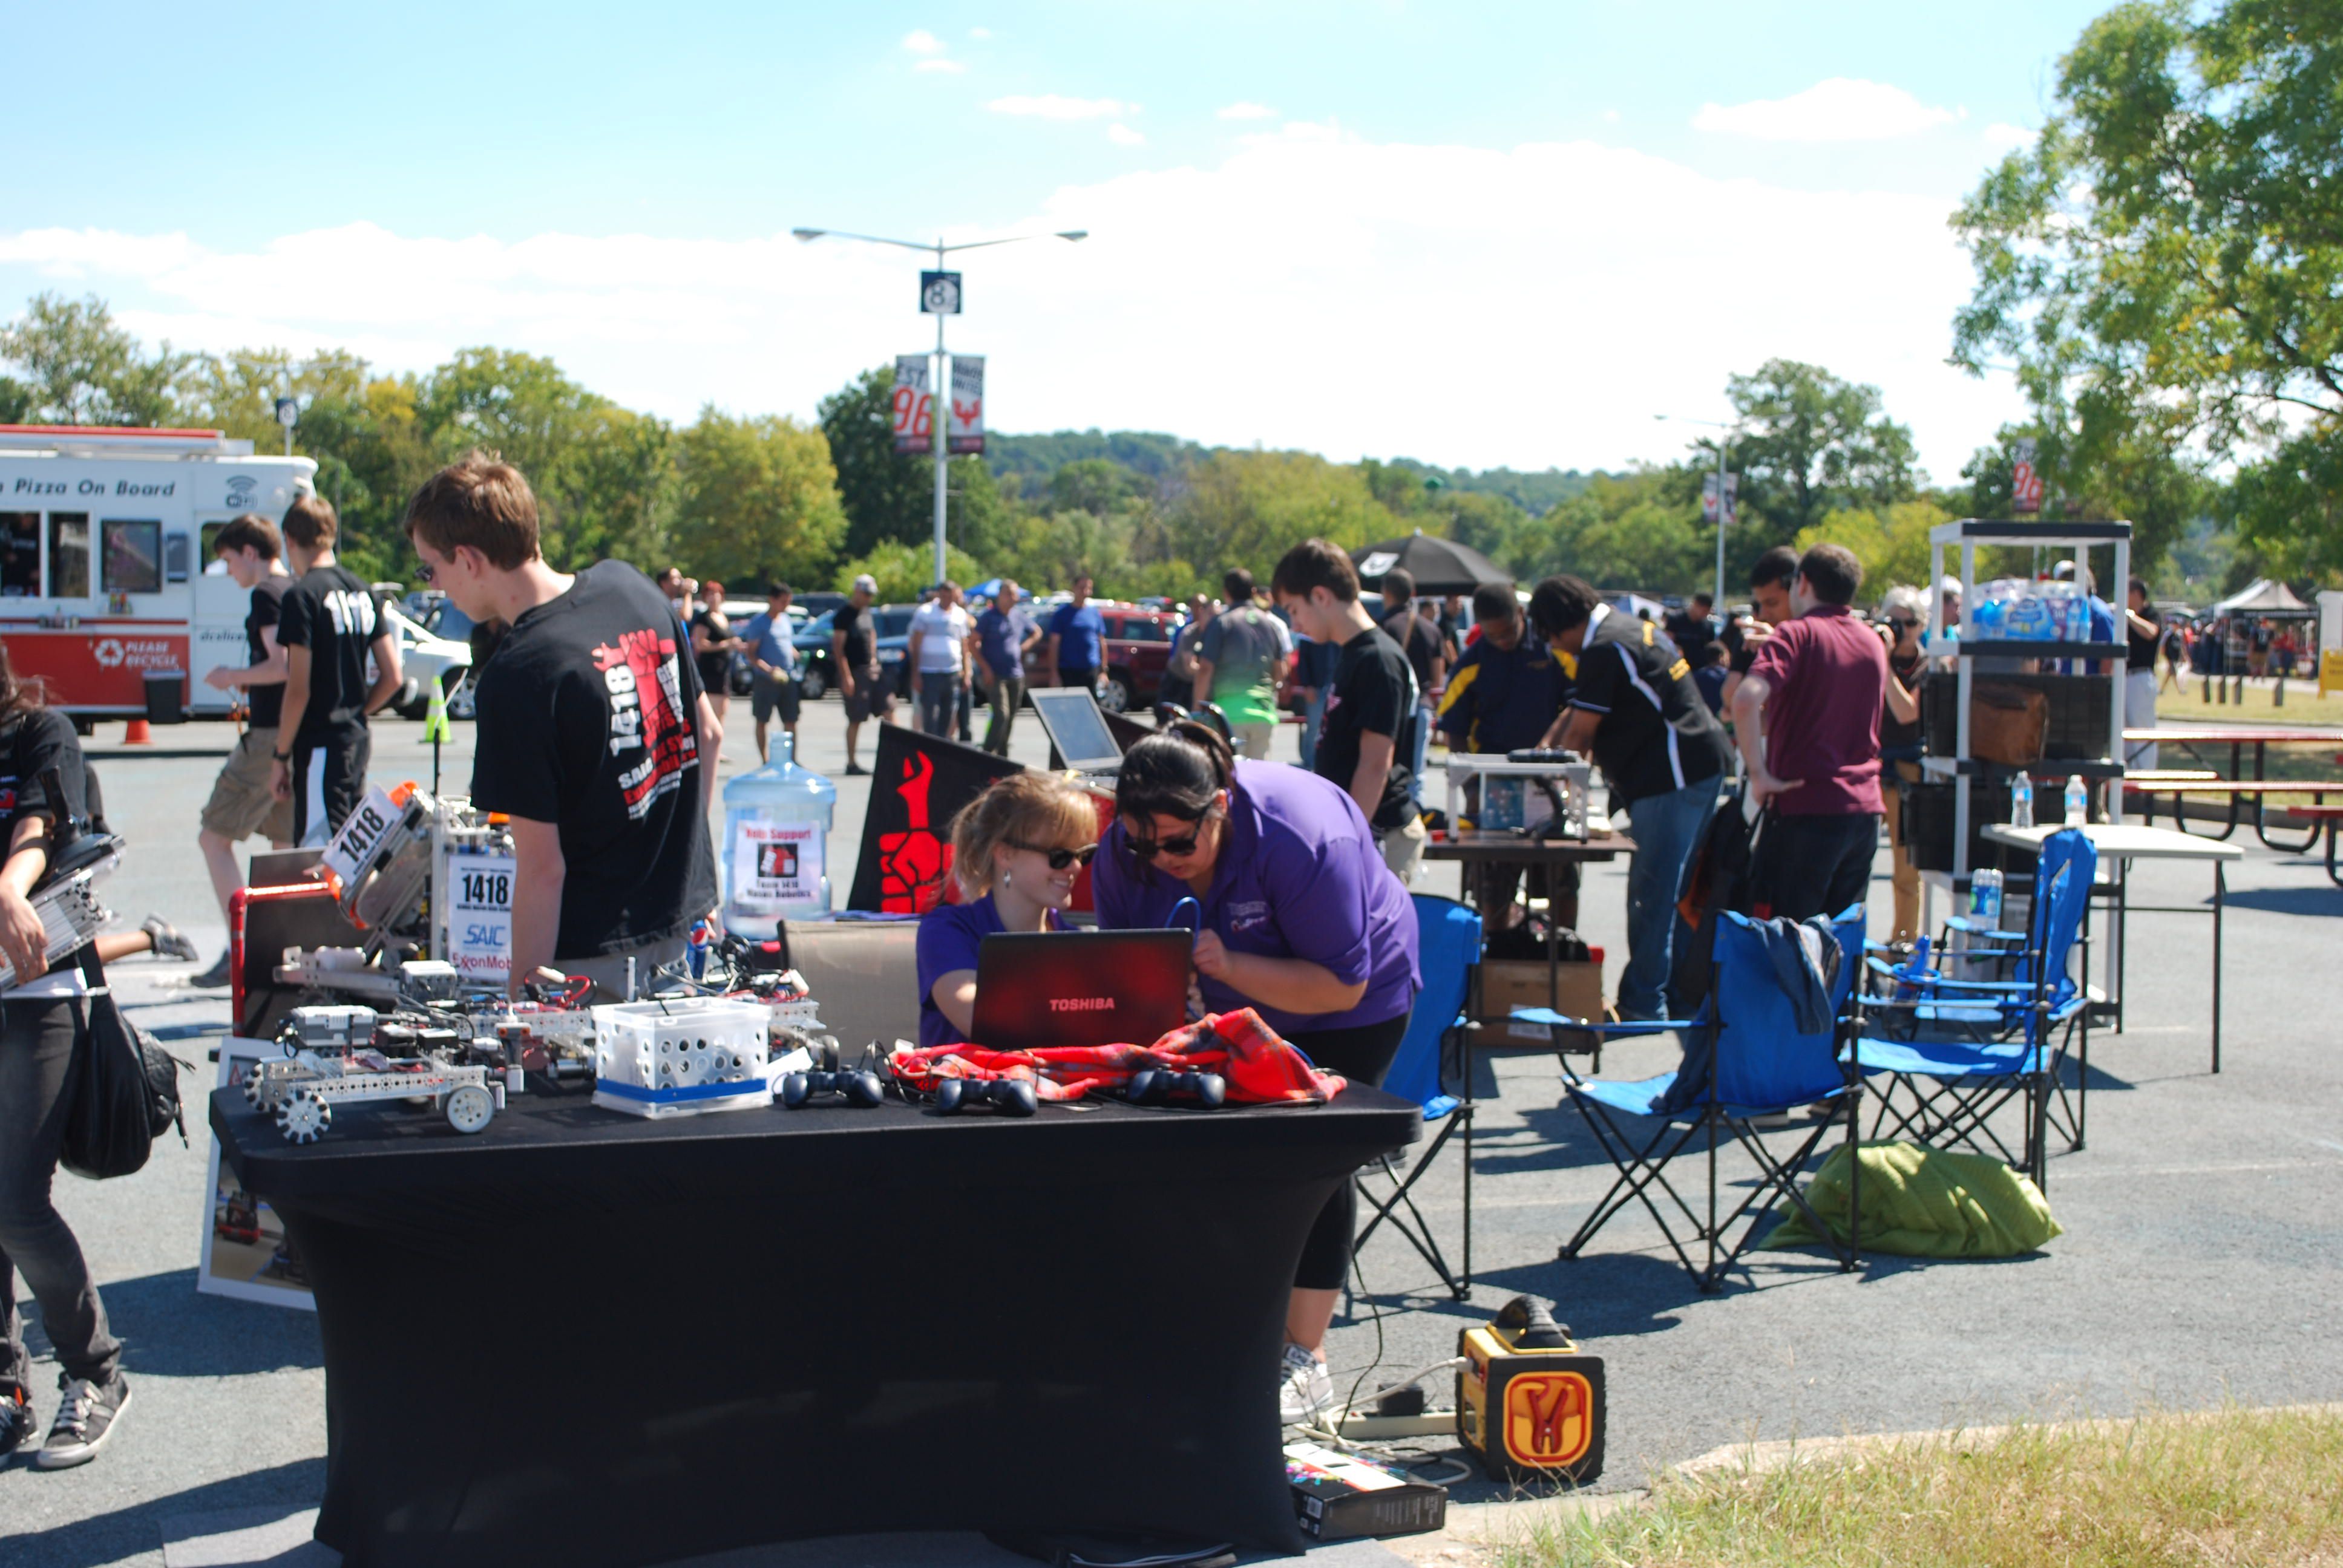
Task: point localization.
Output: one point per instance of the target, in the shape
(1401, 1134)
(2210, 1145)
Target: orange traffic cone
(138, 734)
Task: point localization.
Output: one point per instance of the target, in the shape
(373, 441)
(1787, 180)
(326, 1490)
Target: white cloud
(952, 68)
(921, 42)
(2004, 137)
(1050, 106)
(1842, 109)
(1242, 111)
(980, 33)
(1122, 135)
(1223, 303)
(1610, 116)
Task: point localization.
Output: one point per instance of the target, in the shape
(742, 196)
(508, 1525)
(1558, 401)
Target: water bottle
(777, 821)
(2021, 801)
(1985, 897)
(2078, 801)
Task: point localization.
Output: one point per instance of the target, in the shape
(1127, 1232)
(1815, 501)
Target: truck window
(133, 559)
(20, 555)
(68, 555)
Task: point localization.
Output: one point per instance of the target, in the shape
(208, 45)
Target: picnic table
(2232, 786)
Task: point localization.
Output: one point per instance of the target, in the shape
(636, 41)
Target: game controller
(1159, 1085)
(858, 1088)
(1008, 1096)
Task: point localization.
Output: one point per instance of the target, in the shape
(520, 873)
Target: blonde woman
(1017, 849)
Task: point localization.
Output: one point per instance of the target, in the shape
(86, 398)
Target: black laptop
(1035, 989)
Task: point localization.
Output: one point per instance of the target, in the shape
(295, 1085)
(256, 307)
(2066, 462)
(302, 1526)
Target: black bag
(1722, 877)
(125, 1089)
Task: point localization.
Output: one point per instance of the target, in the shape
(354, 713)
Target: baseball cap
(866, 583)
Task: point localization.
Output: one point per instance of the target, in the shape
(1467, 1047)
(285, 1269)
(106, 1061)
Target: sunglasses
(424, 571)
(1178, 849)
(1059, 858)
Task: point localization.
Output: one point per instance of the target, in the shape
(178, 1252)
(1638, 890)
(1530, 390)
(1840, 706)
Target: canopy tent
(2263, 596)
(1438, 565)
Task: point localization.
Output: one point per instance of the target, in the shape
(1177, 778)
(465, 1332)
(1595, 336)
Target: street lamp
(935, 427)
(1723, 505)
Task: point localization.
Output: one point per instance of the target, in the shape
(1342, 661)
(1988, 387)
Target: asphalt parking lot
(2199, 1262)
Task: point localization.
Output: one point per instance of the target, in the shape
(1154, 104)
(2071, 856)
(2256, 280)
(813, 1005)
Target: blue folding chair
(1448, 938)
(1955, 1052)
(1757, 1063)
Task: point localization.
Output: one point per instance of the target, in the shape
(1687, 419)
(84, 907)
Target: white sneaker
(1303, 1386)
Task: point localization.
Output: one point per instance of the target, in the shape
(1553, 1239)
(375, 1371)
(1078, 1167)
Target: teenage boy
(1427, 656)
(592, 733)
(328, 624)
(241, 801)
(854, 655)
(1806, 718)
(1636, 707)
(1371, 707)
(1078, 639)
(1240, 660)
(1769, 595)
(773, 651)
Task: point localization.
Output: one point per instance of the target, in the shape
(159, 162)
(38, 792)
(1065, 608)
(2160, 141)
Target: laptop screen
(1080, 987)
(1072, 717)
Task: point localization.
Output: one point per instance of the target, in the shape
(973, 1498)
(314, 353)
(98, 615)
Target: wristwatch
(282, 756)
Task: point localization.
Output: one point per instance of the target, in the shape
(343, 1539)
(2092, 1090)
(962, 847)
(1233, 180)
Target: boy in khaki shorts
(242, 803)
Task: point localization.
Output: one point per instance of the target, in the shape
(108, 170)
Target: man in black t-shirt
(854, 655)
(242, 802)
(1636, 708)
(1419, 638)
(328, 624)
(592, 733)
(1370, 703)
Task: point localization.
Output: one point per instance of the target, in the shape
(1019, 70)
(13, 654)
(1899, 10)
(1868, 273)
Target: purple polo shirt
(1829, 675)
(1298, 877)
(949, 937)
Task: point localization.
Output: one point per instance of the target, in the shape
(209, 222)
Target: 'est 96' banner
(915, 406)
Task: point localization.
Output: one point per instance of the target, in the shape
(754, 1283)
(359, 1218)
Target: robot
(342, 1055)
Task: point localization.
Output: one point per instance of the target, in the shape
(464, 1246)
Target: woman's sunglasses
(1059, 858)
(1177, 849)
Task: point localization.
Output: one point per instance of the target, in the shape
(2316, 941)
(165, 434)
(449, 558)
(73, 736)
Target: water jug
(777, 821)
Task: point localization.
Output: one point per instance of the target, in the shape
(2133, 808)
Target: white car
(424, 660)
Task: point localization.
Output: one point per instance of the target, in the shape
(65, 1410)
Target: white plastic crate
(680, 1057)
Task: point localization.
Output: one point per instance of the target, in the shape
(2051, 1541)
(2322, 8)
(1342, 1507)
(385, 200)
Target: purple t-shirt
(1829, 675)
(950, 936)
(1299, 877)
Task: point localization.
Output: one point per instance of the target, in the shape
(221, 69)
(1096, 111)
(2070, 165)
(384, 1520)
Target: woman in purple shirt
(1017, 849)
(1301, 920)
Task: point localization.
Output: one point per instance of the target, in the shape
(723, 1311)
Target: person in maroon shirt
(1806, 718)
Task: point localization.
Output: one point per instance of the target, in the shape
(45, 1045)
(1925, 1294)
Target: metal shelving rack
(1967, 535)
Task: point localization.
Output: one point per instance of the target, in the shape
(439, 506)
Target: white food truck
(105, 536)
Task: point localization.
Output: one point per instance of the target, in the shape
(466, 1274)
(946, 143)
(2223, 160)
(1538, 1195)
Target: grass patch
(2258, 705)
(2232, 1487)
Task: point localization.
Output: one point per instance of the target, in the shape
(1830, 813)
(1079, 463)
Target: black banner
(917, 784)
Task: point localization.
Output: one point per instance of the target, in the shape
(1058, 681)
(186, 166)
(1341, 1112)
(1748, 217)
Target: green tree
(1246, 509)
(83, 369)
(904, 571)
(2165, 266)
(1810, 441)
(758, 498)
(1892, 543)
(886, 495)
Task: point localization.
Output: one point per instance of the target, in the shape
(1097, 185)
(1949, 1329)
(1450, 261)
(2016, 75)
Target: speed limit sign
(940, 294)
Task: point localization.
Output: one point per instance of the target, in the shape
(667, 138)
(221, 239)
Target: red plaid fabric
(1260, 1067)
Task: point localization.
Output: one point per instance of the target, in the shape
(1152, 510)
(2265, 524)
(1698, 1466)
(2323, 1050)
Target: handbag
(125, 1089)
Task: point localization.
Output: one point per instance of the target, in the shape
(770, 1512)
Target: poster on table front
(245, 1251)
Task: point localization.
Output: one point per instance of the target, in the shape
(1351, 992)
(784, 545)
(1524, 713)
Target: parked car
(441, 618)
(426, 656)
(1137, 647)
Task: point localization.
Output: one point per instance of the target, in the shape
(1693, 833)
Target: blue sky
(1470, 233)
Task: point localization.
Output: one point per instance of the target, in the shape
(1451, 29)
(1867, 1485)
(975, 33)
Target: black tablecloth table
(582, 1338)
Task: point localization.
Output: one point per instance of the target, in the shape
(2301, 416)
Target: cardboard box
(1506, 984)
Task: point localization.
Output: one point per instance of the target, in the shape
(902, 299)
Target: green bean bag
(1925, 1203)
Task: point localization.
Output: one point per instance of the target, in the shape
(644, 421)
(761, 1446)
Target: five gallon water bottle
(2078, 801)
(2021, 801)
(776, 823)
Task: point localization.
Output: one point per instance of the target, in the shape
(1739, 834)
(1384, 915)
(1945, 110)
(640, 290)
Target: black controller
(1008, 1096)
(858, 1087)
(1158, 1086)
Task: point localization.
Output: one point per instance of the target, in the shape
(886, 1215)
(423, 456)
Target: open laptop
(1036, 989)
(1078, 730)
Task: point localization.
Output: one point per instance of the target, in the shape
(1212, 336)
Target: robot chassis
(335, 1056)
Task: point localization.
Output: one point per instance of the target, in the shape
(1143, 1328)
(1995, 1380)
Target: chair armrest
(1562, 1023)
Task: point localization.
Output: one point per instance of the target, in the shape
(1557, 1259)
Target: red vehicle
(1137, 647)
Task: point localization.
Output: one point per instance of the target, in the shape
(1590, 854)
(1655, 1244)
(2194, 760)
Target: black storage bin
(166, 697)
(2078, 730)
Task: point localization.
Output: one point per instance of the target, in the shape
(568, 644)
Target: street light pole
(1724, 445)
(939, 400)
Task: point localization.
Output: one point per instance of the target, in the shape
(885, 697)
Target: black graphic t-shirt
(334, 615)
(37, 740)
(853, 622)
(1373, 693)
(267, 702)
(589, 720)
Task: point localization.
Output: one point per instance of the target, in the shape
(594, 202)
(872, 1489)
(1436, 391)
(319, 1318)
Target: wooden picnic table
(2235, 787)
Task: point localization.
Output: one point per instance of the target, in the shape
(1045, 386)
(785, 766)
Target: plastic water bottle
(2021, 801)
(1985, 897)
(1991, 611)
(777, 821)
(2078, 801)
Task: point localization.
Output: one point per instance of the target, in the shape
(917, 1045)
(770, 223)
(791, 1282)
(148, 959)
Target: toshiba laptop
(1078, 730)
(1035, 989)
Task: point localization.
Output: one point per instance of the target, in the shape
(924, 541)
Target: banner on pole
(966, 431)
(915, 406)
(2025, 480)
(1732, 499)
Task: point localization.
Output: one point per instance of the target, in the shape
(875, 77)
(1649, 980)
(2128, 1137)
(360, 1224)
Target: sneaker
(170, 944)
(16, 1422)
(856, 771)
(85, 1420)
(214, 977)
(1303, 1386)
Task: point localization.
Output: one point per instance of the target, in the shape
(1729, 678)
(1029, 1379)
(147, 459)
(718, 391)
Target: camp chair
(1955, 1052)
(1757, 1063)
(1448, 944)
